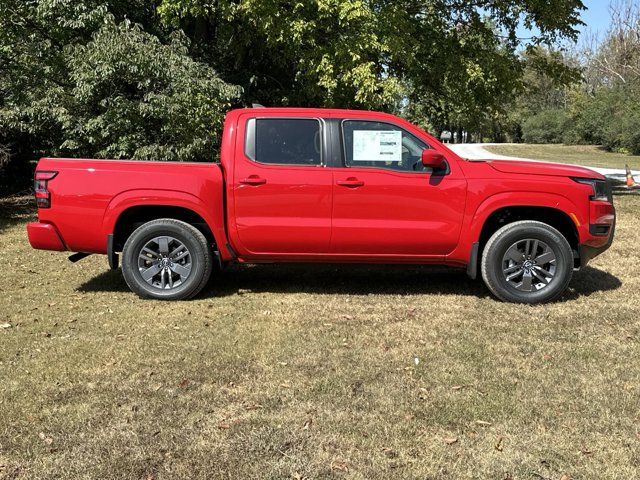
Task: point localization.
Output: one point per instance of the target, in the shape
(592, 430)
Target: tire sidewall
(556, 242)
(134, 245)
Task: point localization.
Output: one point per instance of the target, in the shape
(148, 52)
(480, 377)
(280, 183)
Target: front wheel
(527, 262)
(166, 259)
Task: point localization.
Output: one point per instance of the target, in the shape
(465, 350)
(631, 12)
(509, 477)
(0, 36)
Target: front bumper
(44, 236)
(589, 252)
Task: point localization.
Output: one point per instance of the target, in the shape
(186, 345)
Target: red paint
(44, 236)
(313, 213)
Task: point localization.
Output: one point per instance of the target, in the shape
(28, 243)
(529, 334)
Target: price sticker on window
(377, 146)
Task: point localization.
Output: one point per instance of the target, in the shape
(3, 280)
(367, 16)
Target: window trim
(250, 141)
(343, 143)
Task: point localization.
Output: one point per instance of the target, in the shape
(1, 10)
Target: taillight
(40, 182)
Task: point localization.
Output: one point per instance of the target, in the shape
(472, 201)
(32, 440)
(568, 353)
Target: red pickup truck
(322, 185)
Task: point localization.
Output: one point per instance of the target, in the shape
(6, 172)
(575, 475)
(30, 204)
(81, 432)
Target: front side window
(381, 145)
(285, 141)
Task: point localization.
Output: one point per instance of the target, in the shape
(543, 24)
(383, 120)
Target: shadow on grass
(16, 209)
(353, 280)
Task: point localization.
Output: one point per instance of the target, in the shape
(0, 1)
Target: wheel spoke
(534, 248)
(539, 277)
(151, 272)
(514, 275)
(545, 257)
(514, 254)
(181, 256)
(181, 270)
(512, 268)
(543, 271)
(148, 251)
(163, 245)
(176, 250)
(526, 282)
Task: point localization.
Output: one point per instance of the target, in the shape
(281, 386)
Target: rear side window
(284, 141)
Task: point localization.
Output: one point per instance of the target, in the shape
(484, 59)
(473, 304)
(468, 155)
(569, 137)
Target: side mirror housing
(431, 158)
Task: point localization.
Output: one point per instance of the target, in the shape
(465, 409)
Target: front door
(386, 203)
(281, 188)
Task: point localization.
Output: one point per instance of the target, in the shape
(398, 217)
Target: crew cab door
(281, 189)
(386, 203)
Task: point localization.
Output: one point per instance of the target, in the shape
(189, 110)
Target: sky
(596, 18)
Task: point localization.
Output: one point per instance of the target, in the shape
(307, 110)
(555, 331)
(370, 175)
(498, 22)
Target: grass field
(587, 155)
(316, 372)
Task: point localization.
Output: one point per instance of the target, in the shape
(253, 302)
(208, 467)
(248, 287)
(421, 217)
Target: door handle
(253, 180)
(351, 182)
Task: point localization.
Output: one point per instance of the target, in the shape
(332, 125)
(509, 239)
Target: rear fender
(211, 214)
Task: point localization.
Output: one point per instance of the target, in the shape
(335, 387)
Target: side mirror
(431, 158)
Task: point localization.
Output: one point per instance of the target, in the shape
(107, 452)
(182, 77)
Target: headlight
(600, 188)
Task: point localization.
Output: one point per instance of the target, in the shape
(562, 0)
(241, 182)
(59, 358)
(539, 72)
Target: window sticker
(377, 146)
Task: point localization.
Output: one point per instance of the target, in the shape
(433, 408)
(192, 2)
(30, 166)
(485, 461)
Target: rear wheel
(527, 262)
(166, 259)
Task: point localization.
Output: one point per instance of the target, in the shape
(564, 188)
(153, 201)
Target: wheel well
(555, 218)
(134, 217)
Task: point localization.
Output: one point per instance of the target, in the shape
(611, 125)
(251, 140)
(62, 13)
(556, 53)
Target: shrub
(548, 126)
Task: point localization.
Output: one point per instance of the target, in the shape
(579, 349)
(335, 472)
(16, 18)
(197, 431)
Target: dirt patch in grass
(587, 155)
(317, 372)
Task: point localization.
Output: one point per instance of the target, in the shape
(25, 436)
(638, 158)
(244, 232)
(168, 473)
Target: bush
(135, 97)
(548, 126)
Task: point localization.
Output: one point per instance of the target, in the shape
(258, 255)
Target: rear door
(386, 203)
(281, 188)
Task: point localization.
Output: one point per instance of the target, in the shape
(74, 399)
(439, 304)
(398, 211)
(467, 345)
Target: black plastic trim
(588, 253)
(112, 256)
(472, 266)
(599, 230)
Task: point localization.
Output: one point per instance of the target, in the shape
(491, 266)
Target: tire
(172, 277)
(510, 267)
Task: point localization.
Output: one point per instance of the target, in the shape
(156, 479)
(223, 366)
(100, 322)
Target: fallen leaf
(224, 426)
(307, 424)
(450, 440)
(390, 453)
(6, 325)
(338, 465)
(565, 477)
(457, 387)
(483, 423)
(498, 445)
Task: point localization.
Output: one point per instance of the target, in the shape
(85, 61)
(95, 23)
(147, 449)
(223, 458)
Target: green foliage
(547, 126)
(153, 78)
(135, 97)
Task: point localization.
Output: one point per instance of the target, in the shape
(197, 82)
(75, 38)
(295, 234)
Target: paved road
(477, 151)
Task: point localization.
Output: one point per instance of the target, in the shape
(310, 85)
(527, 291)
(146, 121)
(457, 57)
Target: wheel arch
(130, 209)
(500, 209)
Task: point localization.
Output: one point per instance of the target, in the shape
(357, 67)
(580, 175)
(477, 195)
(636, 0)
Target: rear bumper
(44, 236)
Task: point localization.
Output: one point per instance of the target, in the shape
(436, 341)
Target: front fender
(475, 220)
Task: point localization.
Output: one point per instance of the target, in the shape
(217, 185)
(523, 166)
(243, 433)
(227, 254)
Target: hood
(542, 168)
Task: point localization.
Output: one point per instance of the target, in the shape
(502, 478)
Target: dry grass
(587, 155)
(311, 372)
